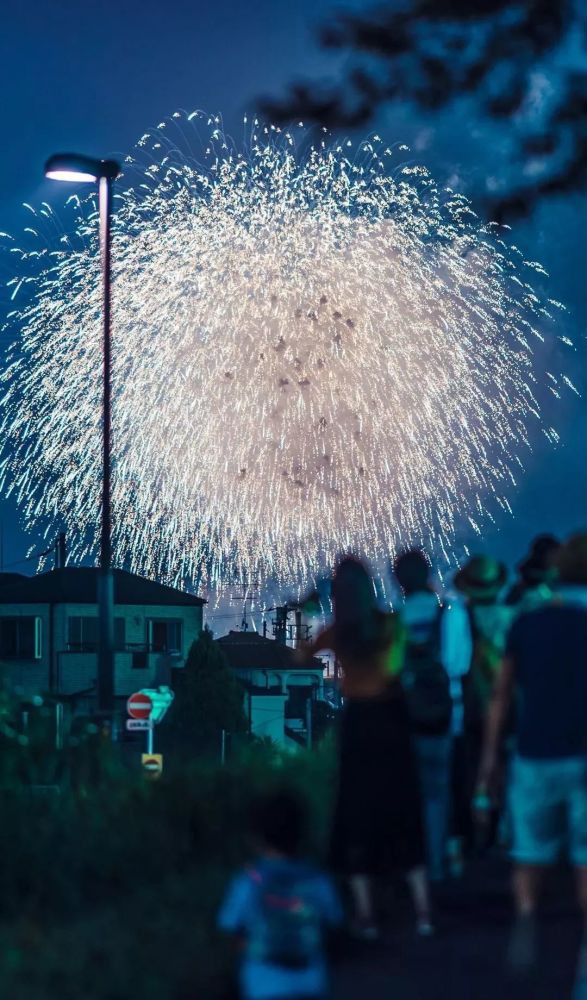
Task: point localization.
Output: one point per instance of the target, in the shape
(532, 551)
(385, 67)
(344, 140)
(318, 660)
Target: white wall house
(49, 631)
(278, 688)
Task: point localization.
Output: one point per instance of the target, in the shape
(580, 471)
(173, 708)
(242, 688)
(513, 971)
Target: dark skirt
(377, 824)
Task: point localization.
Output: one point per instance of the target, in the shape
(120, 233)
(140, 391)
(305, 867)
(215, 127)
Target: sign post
(138, 725)
(152, 765)
(140, 707)
(147, 708)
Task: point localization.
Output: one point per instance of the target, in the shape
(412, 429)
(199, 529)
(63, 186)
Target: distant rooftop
(78, 585)
(249, 651)
(8, 579)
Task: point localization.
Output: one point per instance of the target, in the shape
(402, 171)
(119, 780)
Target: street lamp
(74, 168)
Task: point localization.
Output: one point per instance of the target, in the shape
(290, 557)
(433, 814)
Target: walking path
(466, 959)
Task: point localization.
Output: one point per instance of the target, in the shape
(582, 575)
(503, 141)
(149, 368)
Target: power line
(31, 558)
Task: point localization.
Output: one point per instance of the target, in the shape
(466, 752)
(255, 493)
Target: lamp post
(83, 169)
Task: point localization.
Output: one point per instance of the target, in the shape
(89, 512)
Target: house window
(83, 633)
(296, 704)
(20, 638)
(165, 635)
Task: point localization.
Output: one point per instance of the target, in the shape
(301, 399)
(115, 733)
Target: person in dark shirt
(546, 665)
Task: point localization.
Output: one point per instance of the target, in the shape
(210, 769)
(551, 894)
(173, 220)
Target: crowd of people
(464, 729)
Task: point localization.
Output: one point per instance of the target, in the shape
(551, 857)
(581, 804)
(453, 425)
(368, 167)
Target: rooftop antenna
(249, 592)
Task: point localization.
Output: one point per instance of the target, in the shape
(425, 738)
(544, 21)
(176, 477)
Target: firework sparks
(313, 353)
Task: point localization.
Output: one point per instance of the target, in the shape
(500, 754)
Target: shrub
(113, 881)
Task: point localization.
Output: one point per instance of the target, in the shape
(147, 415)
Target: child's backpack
(424, 679)
(287, 932)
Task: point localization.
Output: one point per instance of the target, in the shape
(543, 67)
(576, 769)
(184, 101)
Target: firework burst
(315, 351)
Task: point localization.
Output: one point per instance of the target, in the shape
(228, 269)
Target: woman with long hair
(377, 825)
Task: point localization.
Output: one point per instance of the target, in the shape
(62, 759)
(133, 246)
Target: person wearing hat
(481, 581)
(545, 663)
(536, 575)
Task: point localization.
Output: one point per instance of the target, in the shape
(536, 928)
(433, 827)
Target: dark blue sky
(93, 76)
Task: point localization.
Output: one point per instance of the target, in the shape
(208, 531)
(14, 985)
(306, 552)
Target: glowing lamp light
(69, 175)
(75, 168)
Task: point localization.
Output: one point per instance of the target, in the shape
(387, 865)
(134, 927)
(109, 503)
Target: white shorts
(548, 808)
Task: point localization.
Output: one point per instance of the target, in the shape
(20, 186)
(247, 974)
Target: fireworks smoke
(314, 351)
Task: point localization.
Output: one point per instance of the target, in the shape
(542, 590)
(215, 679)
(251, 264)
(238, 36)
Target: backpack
(287, 932)
(479, 680)
(425, 681)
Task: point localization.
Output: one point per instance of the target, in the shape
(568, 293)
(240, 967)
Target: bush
(113, 881)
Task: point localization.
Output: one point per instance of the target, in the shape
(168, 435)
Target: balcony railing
(125, 647)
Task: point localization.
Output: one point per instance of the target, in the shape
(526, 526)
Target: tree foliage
(324, 719)
(209, 699)
(524, 63)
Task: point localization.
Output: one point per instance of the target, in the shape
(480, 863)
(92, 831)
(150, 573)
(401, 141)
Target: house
(279, 689)
(49, 631)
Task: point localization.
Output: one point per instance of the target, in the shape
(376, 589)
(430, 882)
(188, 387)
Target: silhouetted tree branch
(524, 63)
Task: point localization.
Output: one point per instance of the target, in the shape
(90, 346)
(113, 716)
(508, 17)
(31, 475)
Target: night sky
(75, 77)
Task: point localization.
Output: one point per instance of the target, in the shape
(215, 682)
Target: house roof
(78, 585)
(250, 651)
(7, 579)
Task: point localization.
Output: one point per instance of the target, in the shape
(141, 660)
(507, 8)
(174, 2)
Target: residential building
(49, 631)
(279, 688)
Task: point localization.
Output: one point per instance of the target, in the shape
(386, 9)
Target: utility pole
(280, 624)
(249, 592)
(61, 549)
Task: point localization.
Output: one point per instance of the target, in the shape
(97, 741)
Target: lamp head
(80, 169)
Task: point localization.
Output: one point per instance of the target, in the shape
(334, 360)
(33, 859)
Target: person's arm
(499, 707)
(332, 911)
(236, 907)
(329, 906)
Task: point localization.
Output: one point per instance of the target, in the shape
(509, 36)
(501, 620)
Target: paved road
(466, 959)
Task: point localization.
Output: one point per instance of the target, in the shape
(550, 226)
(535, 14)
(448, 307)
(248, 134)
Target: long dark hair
(361, 628)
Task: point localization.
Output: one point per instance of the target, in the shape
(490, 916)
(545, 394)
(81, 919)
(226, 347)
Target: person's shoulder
(245, 879)
(303, 868)
(531, 621)
(453, 606)
(307, 871)
(544, 611)
(422, 598)
(319, 883)
(421, 606)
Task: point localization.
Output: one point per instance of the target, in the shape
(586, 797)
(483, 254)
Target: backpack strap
(434, 627)
(437, 631)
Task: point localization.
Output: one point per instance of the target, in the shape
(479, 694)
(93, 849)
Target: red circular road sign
(139, 706)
